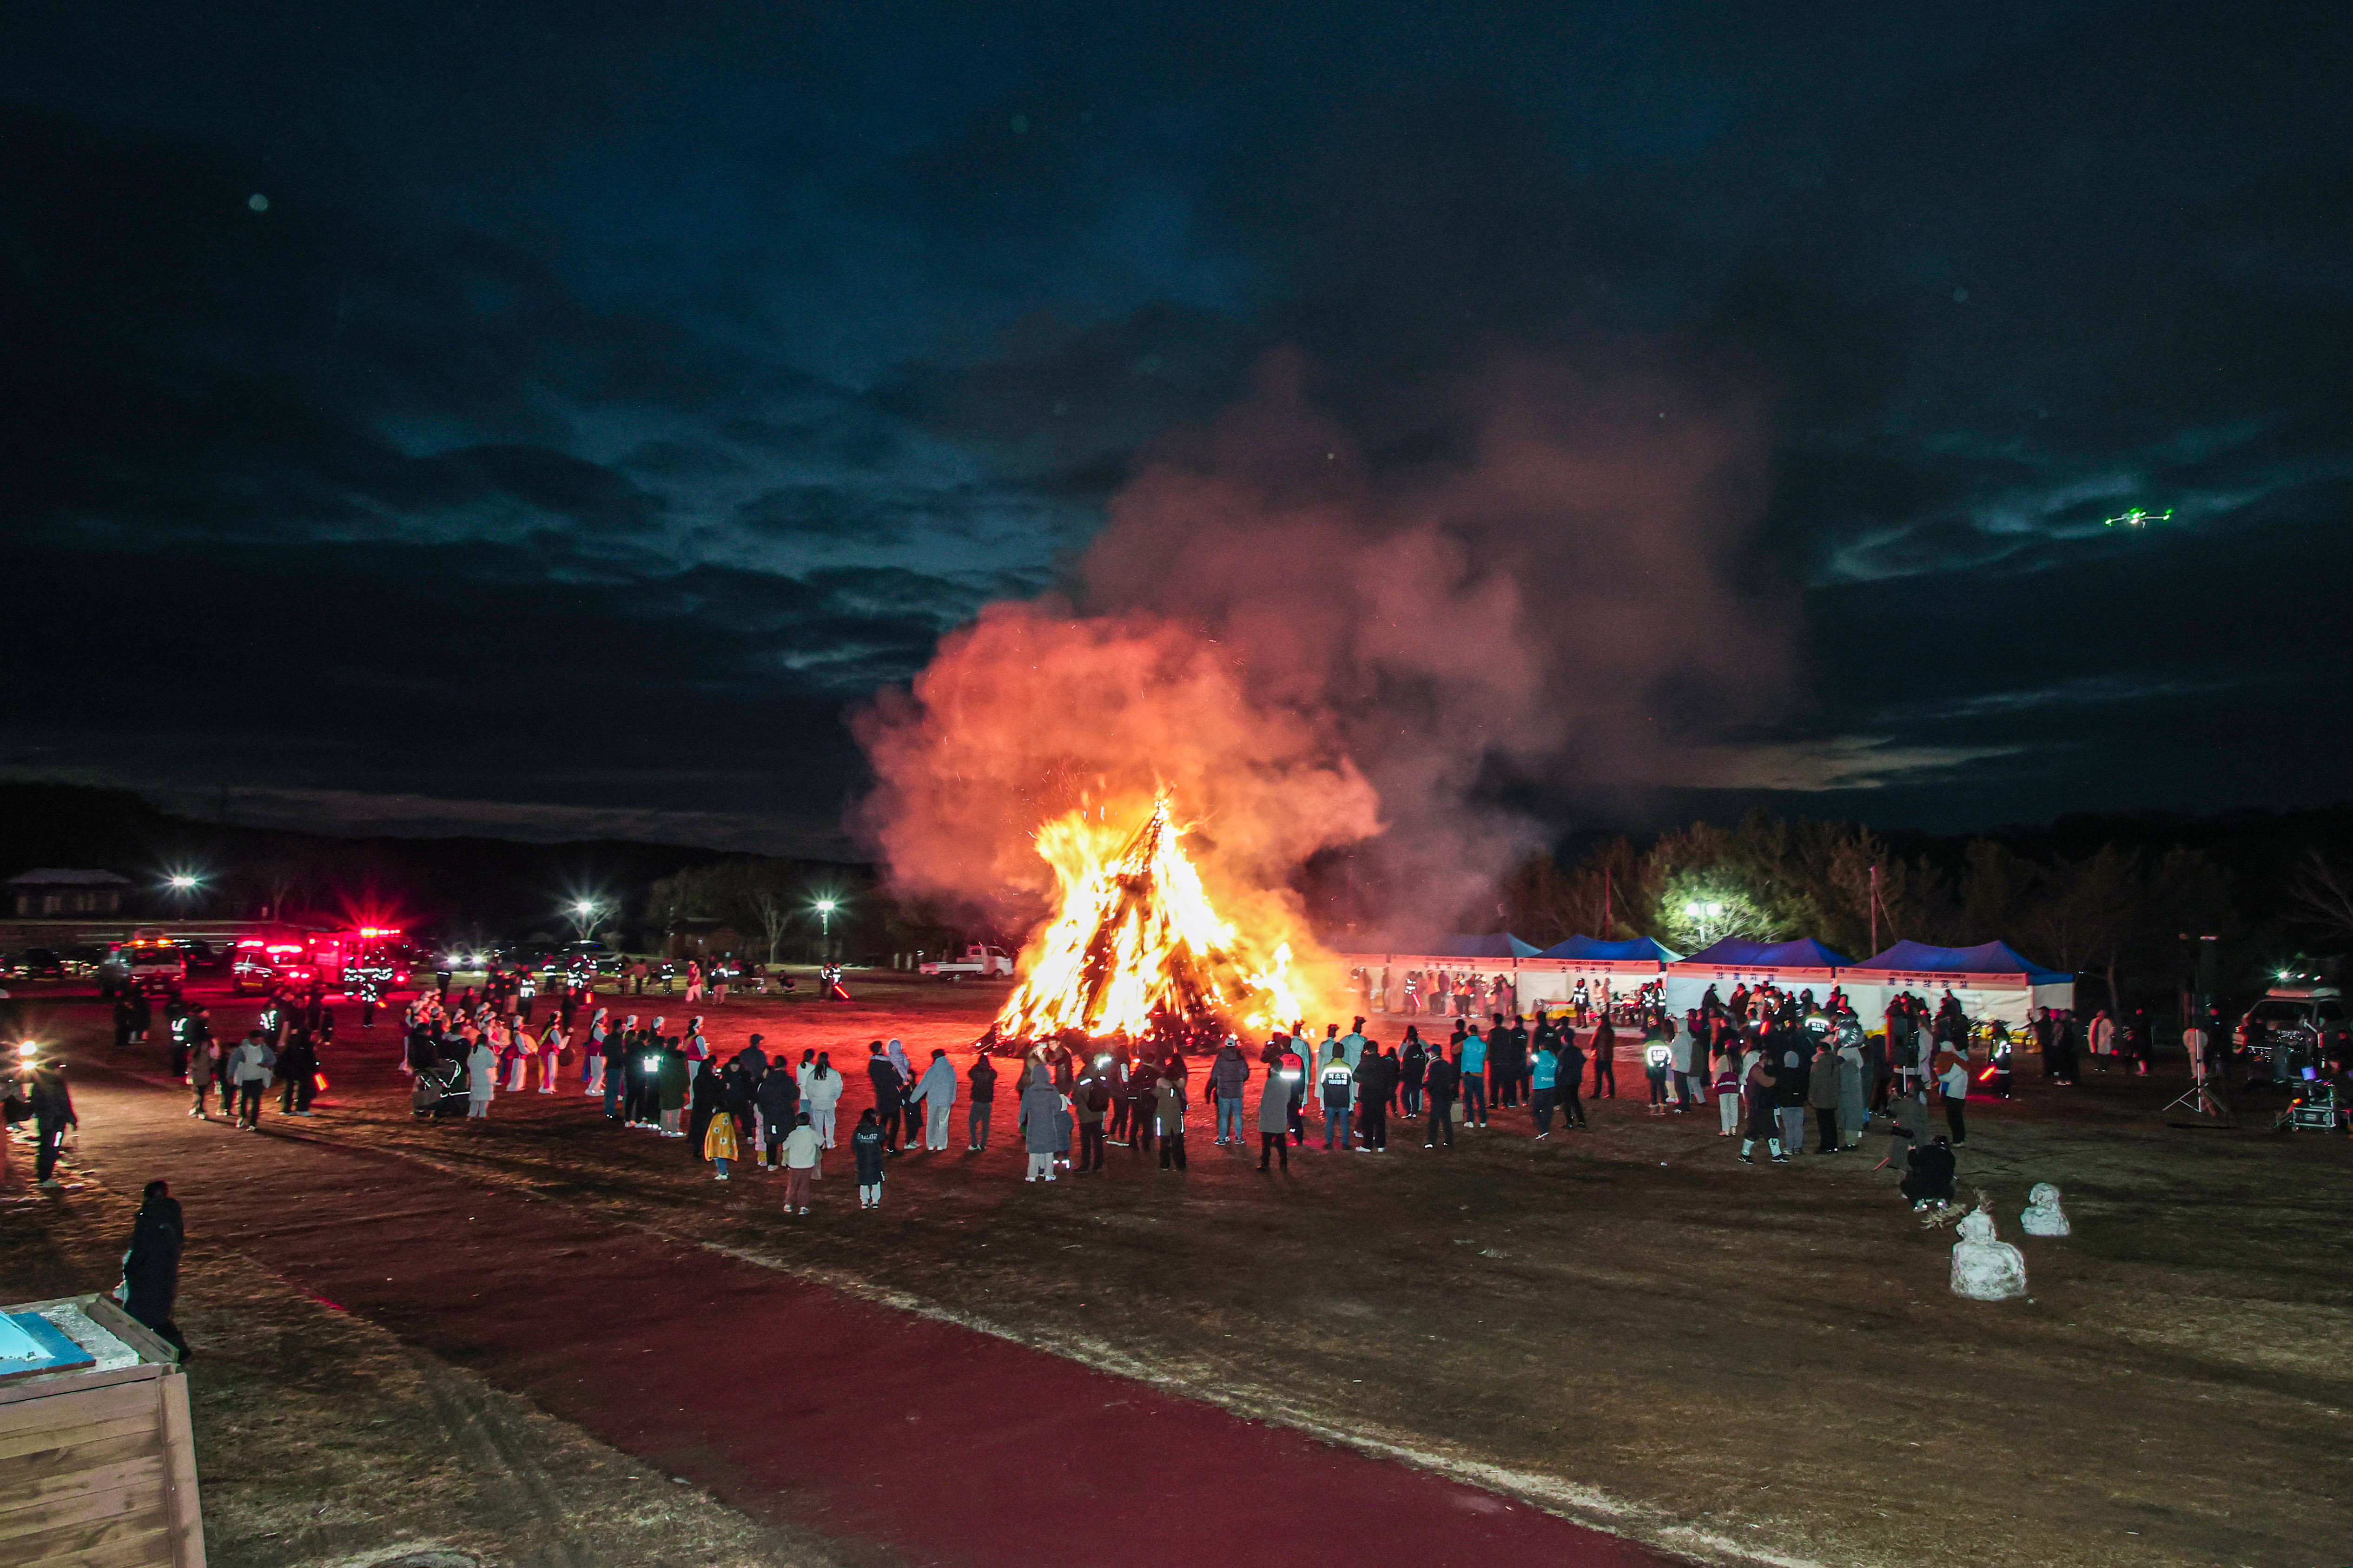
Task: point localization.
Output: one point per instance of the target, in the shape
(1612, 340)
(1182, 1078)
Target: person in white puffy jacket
(821, 1093)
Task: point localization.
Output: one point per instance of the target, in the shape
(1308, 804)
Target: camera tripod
(2200, 1099)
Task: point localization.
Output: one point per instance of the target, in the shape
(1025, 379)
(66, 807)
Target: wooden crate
(98, 1469)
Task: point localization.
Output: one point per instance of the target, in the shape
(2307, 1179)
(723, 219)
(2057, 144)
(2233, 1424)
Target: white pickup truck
(975, 960)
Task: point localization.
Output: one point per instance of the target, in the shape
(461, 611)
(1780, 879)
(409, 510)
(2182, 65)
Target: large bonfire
(1136, 947)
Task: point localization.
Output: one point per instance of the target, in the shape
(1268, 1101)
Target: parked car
(47, 964)
(978, 961)
(2286, 1027)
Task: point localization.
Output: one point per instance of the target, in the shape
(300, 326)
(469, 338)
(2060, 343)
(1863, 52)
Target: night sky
(553, 420)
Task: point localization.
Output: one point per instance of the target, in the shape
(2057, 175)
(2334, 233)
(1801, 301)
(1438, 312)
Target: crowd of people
(1767, 1057)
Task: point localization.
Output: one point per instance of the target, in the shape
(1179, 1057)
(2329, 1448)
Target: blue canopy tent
(1502, 945)
(1592, 950)
(1739, 953)
(1804, 964)
(1986, 958)
(1990, 981)
(1378, 968)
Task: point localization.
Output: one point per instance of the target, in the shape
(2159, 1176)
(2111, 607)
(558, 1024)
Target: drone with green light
(2138, 517)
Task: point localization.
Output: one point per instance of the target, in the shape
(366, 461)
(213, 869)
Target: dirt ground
(1623, 1325)
(321, 1439)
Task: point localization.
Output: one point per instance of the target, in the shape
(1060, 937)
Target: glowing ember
(1136, 947)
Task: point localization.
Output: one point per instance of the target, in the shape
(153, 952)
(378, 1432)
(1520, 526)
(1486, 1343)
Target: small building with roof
(61, 892)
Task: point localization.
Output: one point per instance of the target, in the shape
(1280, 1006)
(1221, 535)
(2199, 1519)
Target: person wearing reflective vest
(1337, 1081)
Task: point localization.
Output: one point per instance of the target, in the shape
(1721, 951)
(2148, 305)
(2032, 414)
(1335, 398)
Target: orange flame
(1136, 945)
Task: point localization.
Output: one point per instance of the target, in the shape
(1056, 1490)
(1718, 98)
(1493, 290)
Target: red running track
(796, 1403)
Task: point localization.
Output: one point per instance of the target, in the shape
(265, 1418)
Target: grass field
(1623, 1324)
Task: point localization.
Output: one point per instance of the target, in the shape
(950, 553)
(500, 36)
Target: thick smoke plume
(1314, 649)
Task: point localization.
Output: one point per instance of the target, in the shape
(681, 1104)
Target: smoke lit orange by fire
(1135, 939)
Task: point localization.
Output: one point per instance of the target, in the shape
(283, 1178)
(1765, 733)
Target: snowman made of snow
(1985, 1269)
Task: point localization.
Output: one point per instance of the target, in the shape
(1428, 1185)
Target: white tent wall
(1984, 998)
(1552, 982)
(2059, 994)
(1687, 982)
(1377, 980)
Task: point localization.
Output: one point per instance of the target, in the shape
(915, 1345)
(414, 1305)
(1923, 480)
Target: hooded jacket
(251, 1063)
(779, 1097)
(1229, 1072)
(1822, 1083)
(1444, 1078)
(151, 1269)
(937, 1088)
(1041, 1103)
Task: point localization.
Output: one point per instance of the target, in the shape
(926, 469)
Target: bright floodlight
(182, 883)
(584, 909)
(1691, 909)
(824, 906)
(1714, 909)
(26, 1049)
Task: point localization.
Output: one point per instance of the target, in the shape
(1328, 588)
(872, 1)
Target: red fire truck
(340, 960)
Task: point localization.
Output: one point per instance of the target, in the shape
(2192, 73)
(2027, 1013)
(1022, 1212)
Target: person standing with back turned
(1437, 1092)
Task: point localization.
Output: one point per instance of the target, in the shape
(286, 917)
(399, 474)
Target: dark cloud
(716, 362)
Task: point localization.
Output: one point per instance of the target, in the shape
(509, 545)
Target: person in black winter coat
(706, 1104)
(735, 1097)
(1143, 1105)
(1375, 1082)
(1413, 1069)
(1438, 1087)
(866, 1151)
(151, 1269)
(53, 1112)
(981, 1105)
(889, 1087)
(779, 1097)
(1605, 1057)
(297, 1066)
(1571, 1079)
(1928, 1175)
